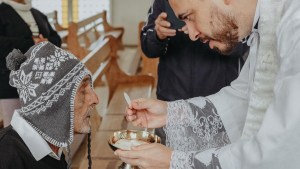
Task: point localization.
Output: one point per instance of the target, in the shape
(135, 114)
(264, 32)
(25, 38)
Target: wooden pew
(62, 32)
(102, 62)
(113, 120)
(93, 62)
(116, 32)
(85, 35)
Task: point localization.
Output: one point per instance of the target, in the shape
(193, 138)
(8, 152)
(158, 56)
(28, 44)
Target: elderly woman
(21, 26)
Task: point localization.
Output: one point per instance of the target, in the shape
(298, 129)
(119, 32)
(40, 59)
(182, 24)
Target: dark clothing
(187, 68)
(16, 34)
(14, 154)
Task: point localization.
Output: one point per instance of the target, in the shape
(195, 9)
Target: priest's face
(208, 21)
(85, 101)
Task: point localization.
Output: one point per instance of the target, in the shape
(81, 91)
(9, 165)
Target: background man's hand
(162, 27)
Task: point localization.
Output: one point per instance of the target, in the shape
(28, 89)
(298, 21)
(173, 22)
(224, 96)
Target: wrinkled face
(85, 101)
(208, 22)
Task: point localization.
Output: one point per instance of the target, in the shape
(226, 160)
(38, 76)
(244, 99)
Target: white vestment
(255, 122)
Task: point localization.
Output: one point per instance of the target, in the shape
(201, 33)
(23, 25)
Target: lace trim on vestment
(192, 128)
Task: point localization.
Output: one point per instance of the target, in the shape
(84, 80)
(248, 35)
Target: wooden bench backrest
(96, 61)
(52, 18)
(83, 34)
(103, 61)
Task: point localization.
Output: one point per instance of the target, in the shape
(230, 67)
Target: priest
(254, 123)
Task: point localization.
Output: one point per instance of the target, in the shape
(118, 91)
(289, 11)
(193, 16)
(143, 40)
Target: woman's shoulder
(4, 8)
(4, 5)
(36, 11)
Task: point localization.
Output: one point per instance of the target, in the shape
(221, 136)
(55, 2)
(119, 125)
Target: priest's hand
(147, 156)
(147, 113)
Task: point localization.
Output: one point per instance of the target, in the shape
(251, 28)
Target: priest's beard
(224, 30)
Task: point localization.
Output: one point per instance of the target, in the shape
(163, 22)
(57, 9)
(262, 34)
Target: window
(47, 6)
(81, 8)
(87, 8)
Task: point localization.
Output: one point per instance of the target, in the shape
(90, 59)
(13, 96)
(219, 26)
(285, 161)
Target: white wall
(129, 13)
(89, 8)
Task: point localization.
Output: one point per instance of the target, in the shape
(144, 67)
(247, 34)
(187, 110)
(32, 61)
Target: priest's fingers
(130, 114)
(135, 162)
(127, 154)
(143, 146)
(129, 111)
(137, 122)
(131, 118)
(140, 104)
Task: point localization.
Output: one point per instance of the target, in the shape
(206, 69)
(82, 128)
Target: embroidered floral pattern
(59, 88)
(25, 86)
(39, 64)
(181, 160)
(49, 66)
(190, 127)
(193, 127)
(47, 77)
(58, 57)
(195, 160)
(47, 83)
(44, 71)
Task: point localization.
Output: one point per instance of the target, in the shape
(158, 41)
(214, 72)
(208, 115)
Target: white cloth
(38, 147)
(24, 12)
(262, 74)
(274, 142)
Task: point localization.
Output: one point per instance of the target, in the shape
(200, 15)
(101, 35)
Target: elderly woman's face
(85, 101)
